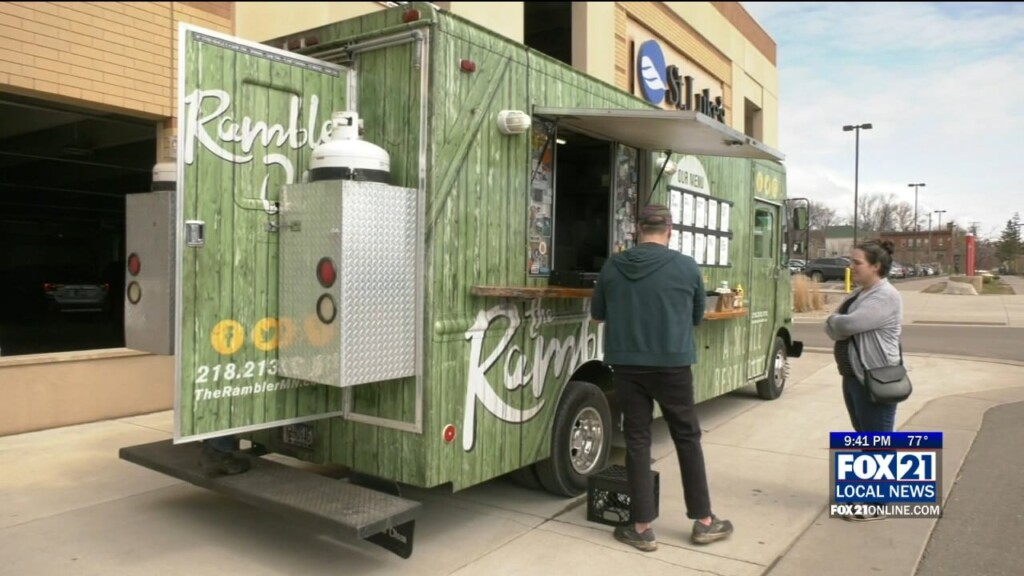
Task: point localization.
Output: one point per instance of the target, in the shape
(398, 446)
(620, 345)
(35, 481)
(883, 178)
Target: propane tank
(345, 156)
(165, 176)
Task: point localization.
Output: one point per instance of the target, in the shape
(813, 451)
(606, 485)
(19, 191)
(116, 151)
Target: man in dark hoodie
(650, 298)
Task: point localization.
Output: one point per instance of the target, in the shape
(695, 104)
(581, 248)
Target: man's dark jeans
(636, 390)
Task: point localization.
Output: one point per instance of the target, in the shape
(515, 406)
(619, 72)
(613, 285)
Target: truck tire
(581, 440)
(771, 387)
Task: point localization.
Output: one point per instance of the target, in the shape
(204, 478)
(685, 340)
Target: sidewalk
(942, 309)
(68, 505)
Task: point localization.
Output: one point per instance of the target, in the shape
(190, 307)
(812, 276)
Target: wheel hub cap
(586, 441)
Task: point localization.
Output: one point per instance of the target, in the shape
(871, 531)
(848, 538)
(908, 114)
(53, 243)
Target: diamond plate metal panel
(149, 233)
(369, 231)
(342, 506)
(378, 329)
(310, 230)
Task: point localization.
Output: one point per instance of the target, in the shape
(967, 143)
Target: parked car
(825, 269)
(897, 270)
(69, 291)
(796, 265)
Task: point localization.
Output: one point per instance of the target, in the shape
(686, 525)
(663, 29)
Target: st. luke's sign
(660, 82)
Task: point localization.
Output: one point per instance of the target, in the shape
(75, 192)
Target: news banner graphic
(895, 474)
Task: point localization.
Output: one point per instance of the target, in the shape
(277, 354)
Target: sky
(942, 84)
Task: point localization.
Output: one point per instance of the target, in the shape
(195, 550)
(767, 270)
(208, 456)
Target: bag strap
(861, 358)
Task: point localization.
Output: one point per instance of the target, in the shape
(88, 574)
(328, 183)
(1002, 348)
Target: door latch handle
(195, 233)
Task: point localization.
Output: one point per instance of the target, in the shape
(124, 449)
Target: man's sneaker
(214, 462)
(864, 517)
(645, 541)
(718, 530)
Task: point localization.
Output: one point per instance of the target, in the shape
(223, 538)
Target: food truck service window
(584, 186)
(582, 204)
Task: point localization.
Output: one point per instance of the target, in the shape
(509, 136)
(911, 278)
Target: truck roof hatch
(682, 131)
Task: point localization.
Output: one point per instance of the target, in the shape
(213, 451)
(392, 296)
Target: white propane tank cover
(165, 176)
(344, 156)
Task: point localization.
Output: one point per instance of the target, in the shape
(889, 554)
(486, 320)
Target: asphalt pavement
(983, 520)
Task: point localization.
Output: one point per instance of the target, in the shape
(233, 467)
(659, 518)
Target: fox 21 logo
(886, 466)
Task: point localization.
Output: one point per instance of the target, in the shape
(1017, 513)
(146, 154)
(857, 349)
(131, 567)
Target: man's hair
(654, 219)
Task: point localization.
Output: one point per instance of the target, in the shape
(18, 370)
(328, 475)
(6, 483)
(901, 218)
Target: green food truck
(376, 249)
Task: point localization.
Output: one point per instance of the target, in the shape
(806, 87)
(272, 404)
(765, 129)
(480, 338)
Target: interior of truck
(582, 212)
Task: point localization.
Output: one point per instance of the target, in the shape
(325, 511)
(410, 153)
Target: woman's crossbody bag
(886, 385)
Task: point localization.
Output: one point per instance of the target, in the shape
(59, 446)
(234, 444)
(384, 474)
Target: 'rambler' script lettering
(519, 368)
(215, 130)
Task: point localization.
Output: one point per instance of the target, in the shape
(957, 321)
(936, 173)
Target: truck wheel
(817, 276)
(771, 387)
(581, 440)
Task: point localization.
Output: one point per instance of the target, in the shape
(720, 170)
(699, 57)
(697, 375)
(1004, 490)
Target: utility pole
(917, 229)
(940, 213)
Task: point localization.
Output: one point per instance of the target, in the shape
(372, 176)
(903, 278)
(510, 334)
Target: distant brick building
(942, 247)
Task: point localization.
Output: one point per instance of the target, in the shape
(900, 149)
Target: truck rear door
(249, 117)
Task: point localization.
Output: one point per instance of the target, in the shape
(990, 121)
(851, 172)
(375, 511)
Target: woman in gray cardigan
(872, 315)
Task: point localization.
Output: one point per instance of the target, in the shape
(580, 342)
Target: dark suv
(825, 269)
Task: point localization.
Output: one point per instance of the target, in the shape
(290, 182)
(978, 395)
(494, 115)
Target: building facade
(88, 104)
(936, 248)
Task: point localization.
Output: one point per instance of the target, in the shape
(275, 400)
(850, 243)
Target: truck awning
(679, 131)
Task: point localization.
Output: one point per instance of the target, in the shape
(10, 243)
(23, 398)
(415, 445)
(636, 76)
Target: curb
(982, 359)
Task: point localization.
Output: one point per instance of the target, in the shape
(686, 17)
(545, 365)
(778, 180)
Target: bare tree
(904, 217)
(884, 213)
(821, 216)
(867, 212)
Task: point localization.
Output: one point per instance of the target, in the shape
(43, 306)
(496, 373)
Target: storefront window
(62, 223)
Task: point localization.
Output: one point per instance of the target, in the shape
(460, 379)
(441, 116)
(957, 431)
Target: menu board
(702, 228)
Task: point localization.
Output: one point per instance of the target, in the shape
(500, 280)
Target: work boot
(640, 540)
(718, 530)
(214, 462)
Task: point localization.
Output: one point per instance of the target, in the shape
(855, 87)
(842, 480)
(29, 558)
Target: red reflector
(449, 434)
(134, 264)
(410, 16)
(325, 272)
(467, 65)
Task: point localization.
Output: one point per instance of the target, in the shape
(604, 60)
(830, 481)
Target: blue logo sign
(650, 67)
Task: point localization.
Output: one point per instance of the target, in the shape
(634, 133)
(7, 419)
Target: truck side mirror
(800, 218)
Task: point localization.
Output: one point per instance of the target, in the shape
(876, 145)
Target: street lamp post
(856, 169)
(940, 213)
(929, 237)
(917, 229)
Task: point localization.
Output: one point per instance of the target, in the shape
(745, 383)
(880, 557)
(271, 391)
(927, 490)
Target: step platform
(323, 504)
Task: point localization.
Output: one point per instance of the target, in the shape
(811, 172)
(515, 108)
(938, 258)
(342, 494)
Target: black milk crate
(608, 496)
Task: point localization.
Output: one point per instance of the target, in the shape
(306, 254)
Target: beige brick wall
(114, 55)
(676, 33)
